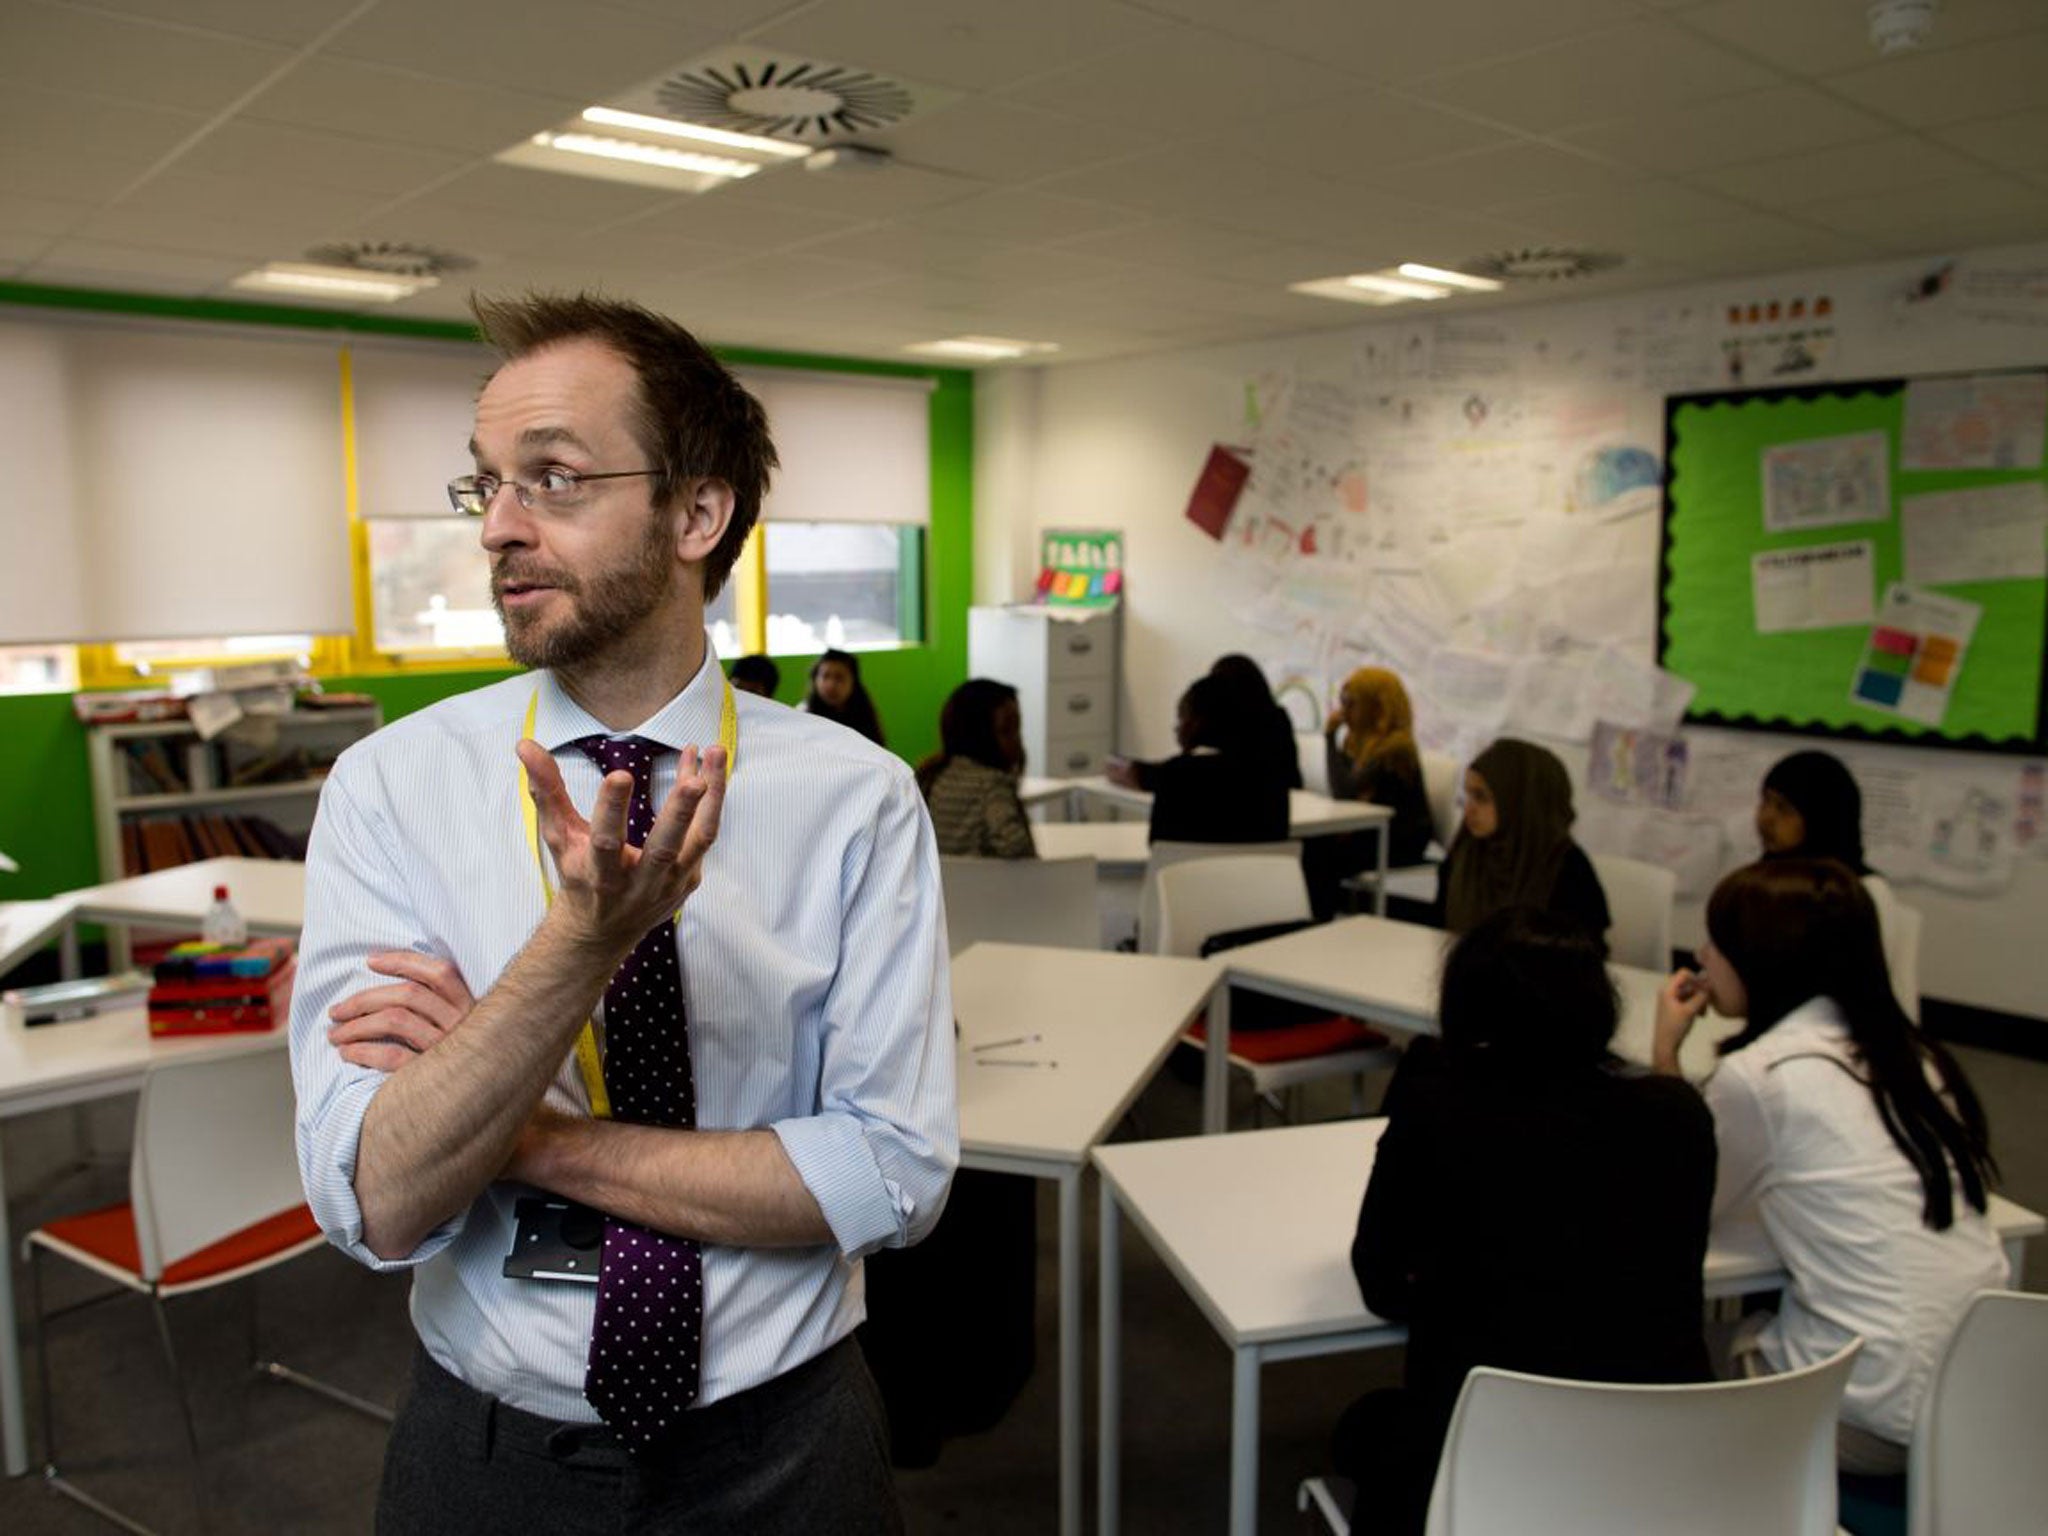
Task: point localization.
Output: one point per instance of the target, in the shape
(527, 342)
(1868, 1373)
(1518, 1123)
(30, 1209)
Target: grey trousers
(807, 1452)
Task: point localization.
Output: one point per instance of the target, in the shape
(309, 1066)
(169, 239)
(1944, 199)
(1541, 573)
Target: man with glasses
(622, 1018)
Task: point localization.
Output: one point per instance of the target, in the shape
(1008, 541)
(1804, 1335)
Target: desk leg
(1379, 889)
(1109, 1383)
(1216, 1064)
(2015, 1257)
(13, 1426)
(1070, 1351)
(1244, 1441)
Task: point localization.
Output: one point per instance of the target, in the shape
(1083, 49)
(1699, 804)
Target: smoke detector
(1540, 264)
(1900, 26)
(771, 94)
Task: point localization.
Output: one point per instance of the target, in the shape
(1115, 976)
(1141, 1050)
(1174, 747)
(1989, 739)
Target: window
(430, 586)
(148, 656)
(38, 669)
(851, 586)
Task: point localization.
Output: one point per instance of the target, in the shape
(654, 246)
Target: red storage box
(193, 997)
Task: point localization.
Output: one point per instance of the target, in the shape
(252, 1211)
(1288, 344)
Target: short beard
(605, 608)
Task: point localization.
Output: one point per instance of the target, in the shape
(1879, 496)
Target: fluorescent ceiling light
(1448, 278)
(672, 128)
(986, 349)
(307, 279)
(648, 154)
(1396, 287)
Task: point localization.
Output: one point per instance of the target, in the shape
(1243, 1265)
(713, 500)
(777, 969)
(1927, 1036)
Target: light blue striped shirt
(814, 970)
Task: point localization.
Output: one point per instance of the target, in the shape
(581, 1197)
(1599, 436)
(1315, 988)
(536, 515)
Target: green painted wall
(45, 795)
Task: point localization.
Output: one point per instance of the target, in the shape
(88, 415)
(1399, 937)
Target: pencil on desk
(1013, 1061)
(997, 1045)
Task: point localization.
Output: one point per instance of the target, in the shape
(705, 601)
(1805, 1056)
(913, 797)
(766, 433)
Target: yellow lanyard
(588, 1062)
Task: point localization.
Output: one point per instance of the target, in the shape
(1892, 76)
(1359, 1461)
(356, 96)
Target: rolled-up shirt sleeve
(355, 907)
(879, 1153)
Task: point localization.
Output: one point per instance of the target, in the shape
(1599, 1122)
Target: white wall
(1119, 444)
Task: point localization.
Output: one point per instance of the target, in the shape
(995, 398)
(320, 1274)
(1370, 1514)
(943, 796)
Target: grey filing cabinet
(1064, 669)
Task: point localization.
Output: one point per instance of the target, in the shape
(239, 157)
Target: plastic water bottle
(223, 924)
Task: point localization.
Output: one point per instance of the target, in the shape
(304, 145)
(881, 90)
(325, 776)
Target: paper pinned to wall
(1632, 767)
(1987, 533)
(1635, 694)
(1819, 586)
(1827, 481)
(1550, 698)
(1969, 835)
(1894, 820)
(1470, 687)
(1987, 421)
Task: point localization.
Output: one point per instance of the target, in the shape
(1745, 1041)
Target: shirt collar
(691, 718)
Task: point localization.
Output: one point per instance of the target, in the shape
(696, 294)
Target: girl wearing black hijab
(1811, 808)
(1515, 848)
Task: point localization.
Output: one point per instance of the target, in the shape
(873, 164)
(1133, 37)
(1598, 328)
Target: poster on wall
(1987, 421)
(1915, 653)
(1819, 586)
(1826, 481)
(1079, 568)
(1985, 533)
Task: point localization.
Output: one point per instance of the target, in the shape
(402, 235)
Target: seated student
(1850, 1132)
(1215, 791)
(1520, 1112)
(1811, 808)
(970, 783)
(838, 694)
(1264, 724)
(1515, 847)
(756, 675)
(1378, 760)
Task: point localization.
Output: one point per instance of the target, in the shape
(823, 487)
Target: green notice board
(1811, 582)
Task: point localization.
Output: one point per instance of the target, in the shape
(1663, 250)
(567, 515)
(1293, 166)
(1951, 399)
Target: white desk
(1258, 1227)
(1033, 789)
(1117, 847)
(26, 926)
(1308, 813)
(269, 893)
(1388, 972)
(1108, 1020)
(70, 1063)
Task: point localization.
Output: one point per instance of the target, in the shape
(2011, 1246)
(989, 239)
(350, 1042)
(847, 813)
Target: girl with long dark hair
(1855, 1137)
(970, 783)
(837, 693)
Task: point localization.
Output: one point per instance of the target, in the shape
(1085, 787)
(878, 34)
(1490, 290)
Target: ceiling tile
(1488, 178)
(2018, 142)
(549, 197)
(1955, 84)
(1187, 82)
(1617, 220)
(1001, 142)
(1029, 218)
(1635, 68)
(1719, 243)
(144, 266)
(969, 44)
(1812, 40)
(230, 199)
(366, 101)
(308, 157)
(206, 233)
(2013, 225)
(59, 123)
(778, 273)
(1793, 181)
(290, 22)
(17, 250)
(1355, 135)
(1930, 210)
(1368, 41)
(716, 219)
(598, 52)
(42, 216)
(130, 61)
(29, 171)
(1753, 126)
(877, 194)
(1175, 244)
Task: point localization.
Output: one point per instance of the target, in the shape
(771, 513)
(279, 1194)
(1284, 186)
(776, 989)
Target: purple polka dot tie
(646, 1343)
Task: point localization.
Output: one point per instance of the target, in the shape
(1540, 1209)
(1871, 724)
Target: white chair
(1163, 854)
(214, 1197)
(1536, 1456)
(1639, 905)
(1976, 1463)
(1329, 1499)
(1442, 783)
(1020, 901)
(1200, 898)
(1899, 927)
(1315, 767)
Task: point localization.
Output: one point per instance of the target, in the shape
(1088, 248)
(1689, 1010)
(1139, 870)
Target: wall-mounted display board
(1865, 559)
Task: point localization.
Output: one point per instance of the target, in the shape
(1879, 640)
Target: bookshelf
(163, 796)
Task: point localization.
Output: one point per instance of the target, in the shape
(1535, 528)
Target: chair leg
(277, 1371)
(163, 1333)
(35, 1286)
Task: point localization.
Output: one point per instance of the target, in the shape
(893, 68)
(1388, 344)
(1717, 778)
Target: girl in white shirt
(1849, 1132)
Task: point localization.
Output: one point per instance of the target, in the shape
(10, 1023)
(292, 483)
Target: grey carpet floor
(279, 1460)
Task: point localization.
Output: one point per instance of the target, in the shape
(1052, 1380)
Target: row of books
(160, 842)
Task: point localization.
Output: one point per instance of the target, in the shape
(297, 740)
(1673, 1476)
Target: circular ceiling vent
(786, 98)
(1540, 264)
(391, 258)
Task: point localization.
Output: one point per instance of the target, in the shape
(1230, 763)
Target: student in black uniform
(756, 675)
(1515, 847)
(1519, 1110)
(1262, 724)
(837, 693)
(1811, 808)
(1216, 791)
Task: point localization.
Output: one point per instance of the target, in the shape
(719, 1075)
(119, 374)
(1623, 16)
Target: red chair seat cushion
(1296, 1042)
(109, 1236)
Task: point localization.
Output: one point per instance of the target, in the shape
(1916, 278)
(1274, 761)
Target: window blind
(855, 448)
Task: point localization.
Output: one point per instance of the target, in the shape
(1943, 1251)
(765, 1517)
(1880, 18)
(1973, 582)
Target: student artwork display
(1986, 421)
(1990, 533)
(1915, 653)
(1827, 482)
(1633, 767)
(1080, 568)
(1819, 586)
